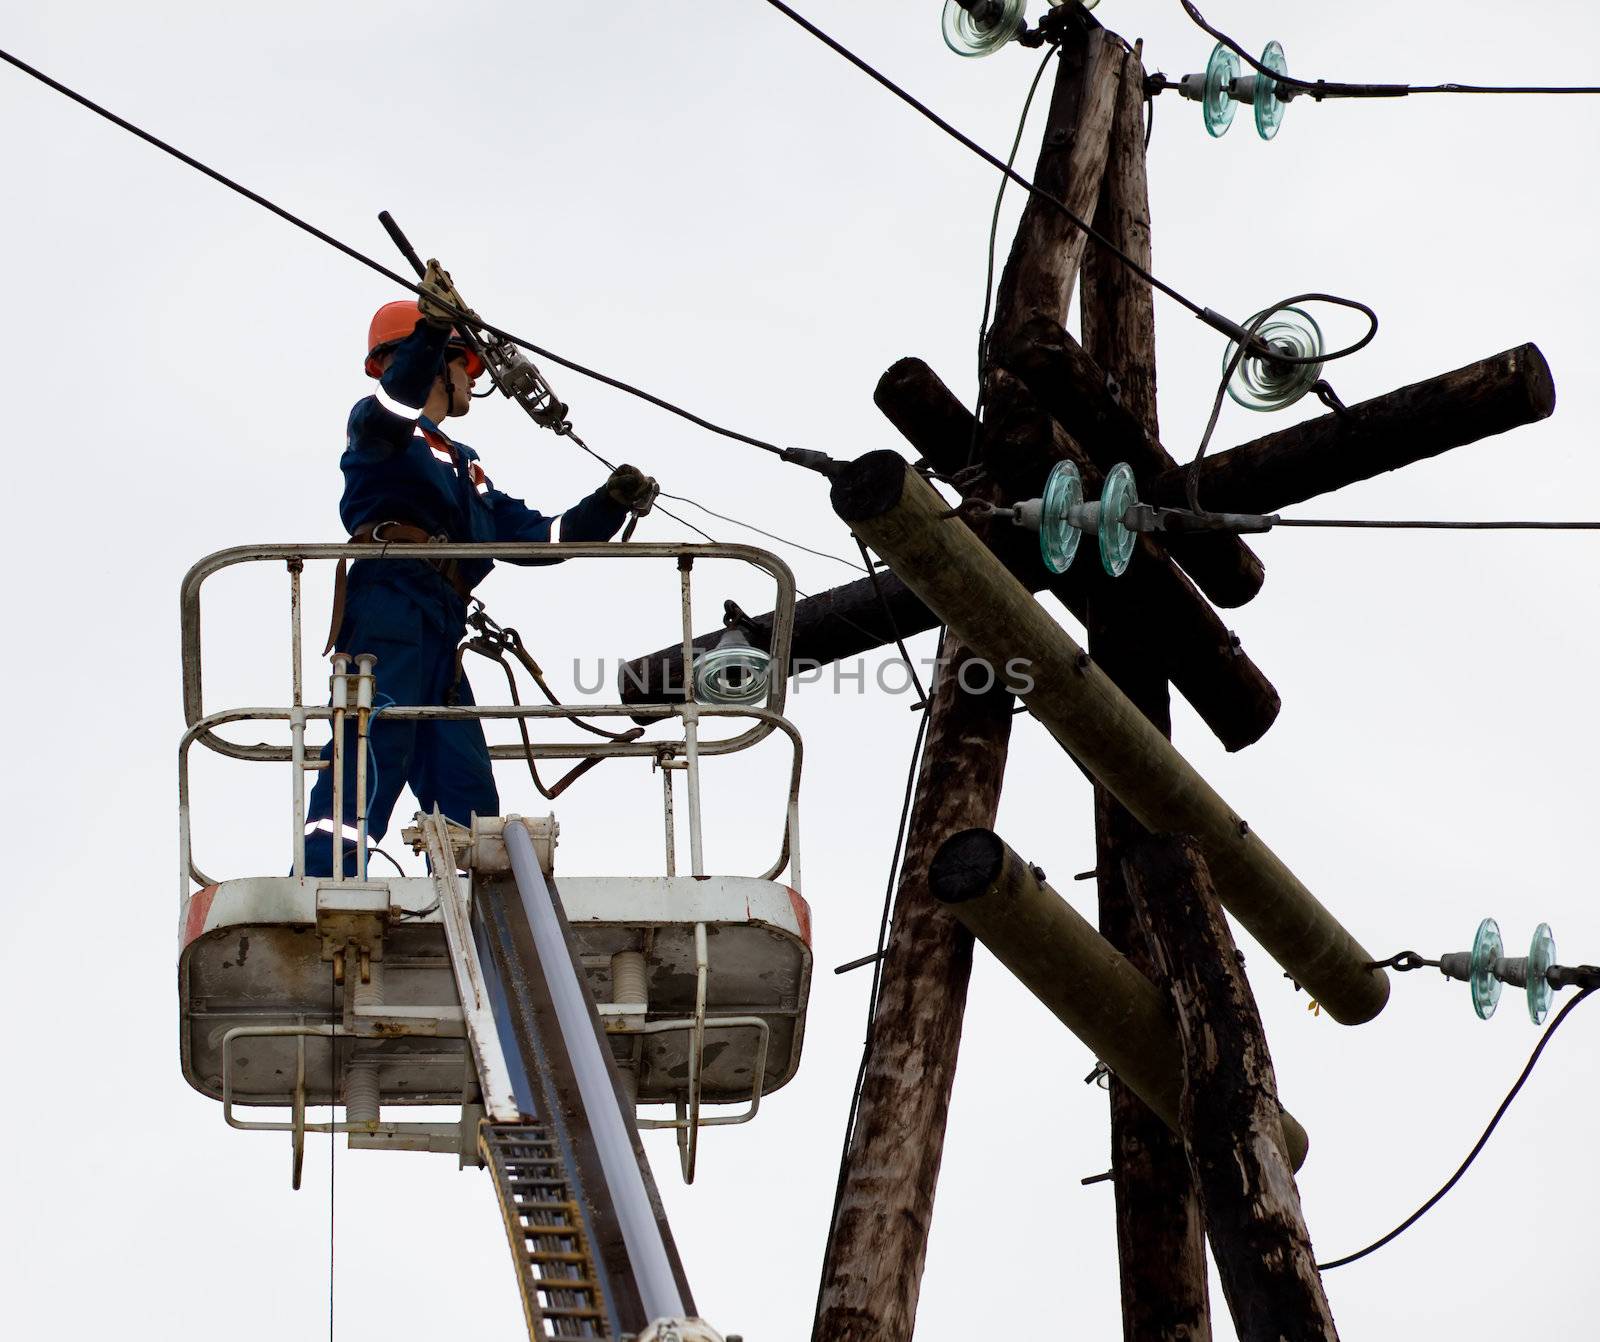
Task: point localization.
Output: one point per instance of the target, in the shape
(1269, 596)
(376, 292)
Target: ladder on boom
(556, 1271)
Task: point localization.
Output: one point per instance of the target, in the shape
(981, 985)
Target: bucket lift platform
(252, 955)
(546, 1015)
(749, 1002)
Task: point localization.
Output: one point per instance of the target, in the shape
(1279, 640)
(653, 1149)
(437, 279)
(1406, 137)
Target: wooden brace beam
(1200, 655)
(902, 517)
(1089, 986)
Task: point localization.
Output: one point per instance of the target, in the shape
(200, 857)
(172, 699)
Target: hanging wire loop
(1247, 342)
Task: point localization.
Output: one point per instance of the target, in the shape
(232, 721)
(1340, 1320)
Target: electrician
(406, 482)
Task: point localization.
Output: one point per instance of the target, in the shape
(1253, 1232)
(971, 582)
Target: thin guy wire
(994, 239)
(667, 512)
(894, 628)
(568, 433)
(770, 535)
(1320, 88)
(685, 522)
(1471, 1155)
(322, 236)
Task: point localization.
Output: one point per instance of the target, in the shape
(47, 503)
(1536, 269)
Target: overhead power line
(322, 235)
(606, 379)
(1322, 88)
(1009, 173)
(1233, 330)
(1472, 1155)
(1385, 524)
(992, 160)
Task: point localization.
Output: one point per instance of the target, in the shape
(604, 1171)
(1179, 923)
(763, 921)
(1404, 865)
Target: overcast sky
(703, 200)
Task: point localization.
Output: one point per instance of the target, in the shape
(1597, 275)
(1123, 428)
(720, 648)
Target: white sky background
(702, 199)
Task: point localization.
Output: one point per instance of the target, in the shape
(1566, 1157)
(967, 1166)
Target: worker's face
(459, 384)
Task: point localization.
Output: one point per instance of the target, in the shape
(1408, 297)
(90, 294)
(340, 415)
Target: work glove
(633, 489)
(438, 300)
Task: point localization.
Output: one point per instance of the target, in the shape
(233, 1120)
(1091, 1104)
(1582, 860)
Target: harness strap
(387, 534)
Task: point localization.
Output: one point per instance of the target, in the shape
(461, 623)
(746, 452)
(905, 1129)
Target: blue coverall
(401, 468)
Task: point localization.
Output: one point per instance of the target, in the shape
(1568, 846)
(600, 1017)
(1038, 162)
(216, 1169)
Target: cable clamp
(812, 460)
(1146, 517)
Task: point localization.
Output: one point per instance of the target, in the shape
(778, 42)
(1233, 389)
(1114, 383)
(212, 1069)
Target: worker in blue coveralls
(406, 482)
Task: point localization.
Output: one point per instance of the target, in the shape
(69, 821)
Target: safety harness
(489, 640)
(387, 534)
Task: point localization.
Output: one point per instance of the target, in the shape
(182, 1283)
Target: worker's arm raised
(389, 416)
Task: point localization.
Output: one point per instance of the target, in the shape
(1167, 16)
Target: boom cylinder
(900, 515)
(647, 1251)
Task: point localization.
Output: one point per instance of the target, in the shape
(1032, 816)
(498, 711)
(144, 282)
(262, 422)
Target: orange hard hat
(394, 322)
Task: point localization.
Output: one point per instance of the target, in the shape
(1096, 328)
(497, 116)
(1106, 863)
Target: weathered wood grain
(1466, 405)
(1229, 1113)
(1161, 1249)
(1193, 648)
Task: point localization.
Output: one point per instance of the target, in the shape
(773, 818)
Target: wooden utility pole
(1042, 270)
(877, 1245)
(872, 1271)
(1229, 1112)
(1048, 399)
(1161, 1250)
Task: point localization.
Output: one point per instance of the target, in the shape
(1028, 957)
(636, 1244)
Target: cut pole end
(869, 486)
(966, 866)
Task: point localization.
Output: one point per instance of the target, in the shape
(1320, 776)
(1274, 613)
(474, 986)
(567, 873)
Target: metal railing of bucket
(352, 697)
